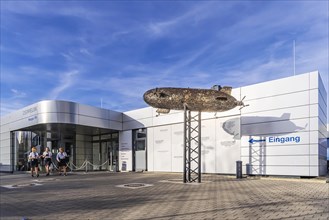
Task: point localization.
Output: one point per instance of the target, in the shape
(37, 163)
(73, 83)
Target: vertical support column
(199, 147)
(189, 150)
(192, 146)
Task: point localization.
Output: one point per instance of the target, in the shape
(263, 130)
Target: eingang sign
(276, 139)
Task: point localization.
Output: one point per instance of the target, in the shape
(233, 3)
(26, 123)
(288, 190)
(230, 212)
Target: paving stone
(95, 196)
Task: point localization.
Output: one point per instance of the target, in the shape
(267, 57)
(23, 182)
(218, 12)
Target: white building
(283, 131)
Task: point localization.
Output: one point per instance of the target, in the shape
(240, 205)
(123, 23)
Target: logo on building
(32, 118)
(30, 110)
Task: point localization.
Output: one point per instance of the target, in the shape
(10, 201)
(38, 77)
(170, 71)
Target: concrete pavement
(98, 196)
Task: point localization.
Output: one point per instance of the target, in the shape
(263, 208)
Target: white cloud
(192, 16)
(18, 94)
(66, 81)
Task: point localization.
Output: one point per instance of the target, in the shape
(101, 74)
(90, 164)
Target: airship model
(216, 99)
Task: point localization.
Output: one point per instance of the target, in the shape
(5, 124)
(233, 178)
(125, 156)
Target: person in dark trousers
(34, 160)
(61, 159)
(47, 159)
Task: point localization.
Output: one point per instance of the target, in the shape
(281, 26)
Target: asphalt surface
(105, 195)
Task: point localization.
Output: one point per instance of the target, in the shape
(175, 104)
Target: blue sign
(281, 140)
(254, 141)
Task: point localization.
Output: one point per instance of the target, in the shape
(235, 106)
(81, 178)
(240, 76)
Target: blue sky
(88, 51)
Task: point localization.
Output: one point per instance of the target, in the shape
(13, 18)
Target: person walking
(34, 160)
(61, 159)
(47, 159)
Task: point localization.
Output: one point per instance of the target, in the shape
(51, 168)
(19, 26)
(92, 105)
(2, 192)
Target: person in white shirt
(34, 159)
(47, 159)
(61, 159)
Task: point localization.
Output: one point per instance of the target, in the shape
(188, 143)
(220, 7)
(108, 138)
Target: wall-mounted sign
(30, 110)
(32, 118)
(276, 139)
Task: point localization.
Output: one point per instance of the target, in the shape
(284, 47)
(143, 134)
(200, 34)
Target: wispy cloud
(116, 51)
(190, 17)
(18, 94)
(65, 82)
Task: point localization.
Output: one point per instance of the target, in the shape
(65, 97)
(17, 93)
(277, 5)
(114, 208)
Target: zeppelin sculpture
(217, 99)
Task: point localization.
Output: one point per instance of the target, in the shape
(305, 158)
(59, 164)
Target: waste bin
(239, 169)
(124, 166)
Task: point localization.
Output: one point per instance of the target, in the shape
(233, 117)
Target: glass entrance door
(106, 152)
(113, 155)
(104, 164)
(139, 150)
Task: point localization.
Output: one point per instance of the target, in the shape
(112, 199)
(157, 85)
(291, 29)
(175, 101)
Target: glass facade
(101, 151)
(105, 152)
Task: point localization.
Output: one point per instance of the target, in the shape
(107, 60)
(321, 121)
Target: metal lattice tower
(192, 146)
(257, 157)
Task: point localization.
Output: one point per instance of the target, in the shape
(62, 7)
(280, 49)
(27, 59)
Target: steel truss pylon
(192, 146)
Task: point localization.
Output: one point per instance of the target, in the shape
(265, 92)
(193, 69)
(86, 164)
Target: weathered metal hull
(205, 100)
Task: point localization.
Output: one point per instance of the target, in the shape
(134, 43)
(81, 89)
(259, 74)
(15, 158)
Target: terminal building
(283, 131)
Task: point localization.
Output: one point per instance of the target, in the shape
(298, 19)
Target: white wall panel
(314, 79)
(4, 143)
(314, 149)
(5, 135)
(227, 146)
(314, 160)
(277, 115)
(25, 122)
(165, 119)
(162, 148)
(275, 127)
(276, 87)
(314, 137)
(214, 115)
(137, 114)
(314, 96)
(314, 110)
(177, 147)
(314, 171)
(276, 102)
(280, 150)
(314, 124)
(5, 128)
(208, 146)
(5, 150)
(150, 149)
(5, 159)
(5, 120)
(300, 160)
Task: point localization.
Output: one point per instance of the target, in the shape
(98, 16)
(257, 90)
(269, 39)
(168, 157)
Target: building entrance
(139, 150)
(97, 146)
(105, 152)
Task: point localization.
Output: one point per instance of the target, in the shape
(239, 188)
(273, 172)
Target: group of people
(47, 156)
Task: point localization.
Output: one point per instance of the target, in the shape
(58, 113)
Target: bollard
(239, 169)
